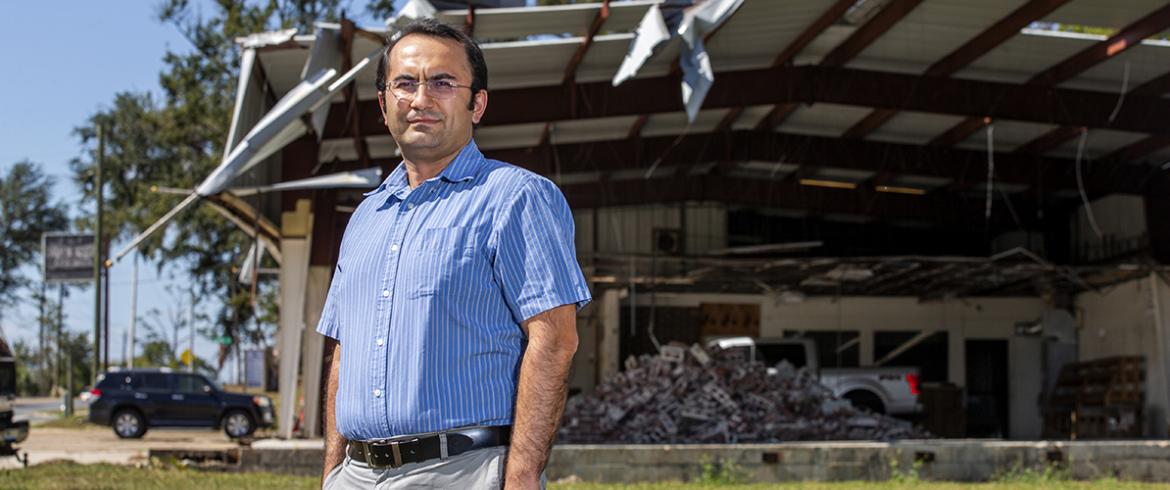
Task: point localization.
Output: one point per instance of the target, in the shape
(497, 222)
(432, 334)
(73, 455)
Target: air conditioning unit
(667, 241)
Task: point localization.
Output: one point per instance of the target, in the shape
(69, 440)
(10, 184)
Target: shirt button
(410, 205)
(385, 293)
(394, 247)
(377, 393)
(380, 341)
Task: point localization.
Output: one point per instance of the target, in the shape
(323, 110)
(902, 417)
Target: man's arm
(334, 443)
(540, 396)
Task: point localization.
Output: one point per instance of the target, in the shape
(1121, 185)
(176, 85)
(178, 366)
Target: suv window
(188, 383)
(772, 354)
(115, 380)
(153, 382)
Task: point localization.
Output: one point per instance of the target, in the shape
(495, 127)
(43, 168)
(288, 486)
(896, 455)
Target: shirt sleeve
(535, 260)
(328, 325)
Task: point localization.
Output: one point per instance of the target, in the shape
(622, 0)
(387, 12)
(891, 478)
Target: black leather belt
(393, 453)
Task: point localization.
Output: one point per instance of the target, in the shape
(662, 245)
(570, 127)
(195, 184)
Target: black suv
(132, 400)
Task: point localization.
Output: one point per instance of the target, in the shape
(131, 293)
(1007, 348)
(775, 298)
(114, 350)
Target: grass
(68, 475)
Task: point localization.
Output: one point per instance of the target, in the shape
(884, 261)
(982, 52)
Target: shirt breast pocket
(445, 260)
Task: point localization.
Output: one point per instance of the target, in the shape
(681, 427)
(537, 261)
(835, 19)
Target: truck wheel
(866, 401)
(237, 424)
(129, 424)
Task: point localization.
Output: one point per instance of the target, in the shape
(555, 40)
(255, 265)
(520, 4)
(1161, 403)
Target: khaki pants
(479, 469)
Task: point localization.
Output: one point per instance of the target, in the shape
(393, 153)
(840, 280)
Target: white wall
(630, 229)
(982, 318)
(1124, 320)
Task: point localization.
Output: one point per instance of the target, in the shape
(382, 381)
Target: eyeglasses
(439, 89)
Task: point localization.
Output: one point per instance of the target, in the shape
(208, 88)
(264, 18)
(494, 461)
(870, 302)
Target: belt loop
(397, 454)
(443, 445)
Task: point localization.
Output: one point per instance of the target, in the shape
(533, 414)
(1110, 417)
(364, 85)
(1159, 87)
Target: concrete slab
(955, 460)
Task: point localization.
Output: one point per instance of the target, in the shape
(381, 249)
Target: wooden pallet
(1097, 399)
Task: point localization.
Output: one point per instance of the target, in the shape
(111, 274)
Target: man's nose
(421, 99)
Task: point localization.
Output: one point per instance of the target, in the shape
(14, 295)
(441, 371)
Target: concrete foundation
(956, 460)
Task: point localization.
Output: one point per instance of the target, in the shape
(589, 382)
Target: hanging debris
(699, 396)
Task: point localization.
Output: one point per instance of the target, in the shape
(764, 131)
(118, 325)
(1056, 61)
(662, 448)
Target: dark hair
(434, 28)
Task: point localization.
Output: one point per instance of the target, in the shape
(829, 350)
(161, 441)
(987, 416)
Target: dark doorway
(671, 324)
(931, 355)
(987, 388)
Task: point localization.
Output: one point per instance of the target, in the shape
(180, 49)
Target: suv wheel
(238, 423)
(129, 424)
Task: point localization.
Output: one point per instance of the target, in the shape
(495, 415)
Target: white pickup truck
(885, 390)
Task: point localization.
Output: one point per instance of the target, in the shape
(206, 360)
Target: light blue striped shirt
(431, 287)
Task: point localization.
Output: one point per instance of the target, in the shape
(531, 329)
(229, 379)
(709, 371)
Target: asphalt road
(41, 409)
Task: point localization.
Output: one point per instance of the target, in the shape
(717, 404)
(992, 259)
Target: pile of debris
(698, 396)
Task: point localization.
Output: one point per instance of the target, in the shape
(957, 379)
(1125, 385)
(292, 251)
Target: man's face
(425, 127)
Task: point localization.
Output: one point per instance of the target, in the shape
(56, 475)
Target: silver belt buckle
(395, 453)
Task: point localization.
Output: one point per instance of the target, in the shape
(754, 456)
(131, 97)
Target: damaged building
(976, 190)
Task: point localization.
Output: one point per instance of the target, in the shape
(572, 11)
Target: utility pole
(105, 312)
(133, 313)
(60, 327)
(191, 332)
(43, 333)
(97, 256)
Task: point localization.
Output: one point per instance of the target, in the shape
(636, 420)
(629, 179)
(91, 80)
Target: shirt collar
(464, 167)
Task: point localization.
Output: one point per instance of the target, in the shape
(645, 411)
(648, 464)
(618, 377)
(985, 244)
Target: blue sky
(65, 60)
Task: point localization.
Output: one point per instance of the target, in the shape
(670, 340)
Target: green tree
(26, 212)
(177, 139)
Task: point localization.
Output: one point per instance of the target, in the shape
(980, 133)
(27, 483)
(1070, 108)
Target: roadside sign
(67, 257)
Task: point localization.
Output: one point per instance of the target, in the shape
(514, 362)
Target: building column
(609, 314)
(294, 269)
(317, 288)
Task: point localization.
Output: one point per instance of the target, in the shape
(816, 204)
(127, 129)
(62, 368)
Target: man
(453, 305)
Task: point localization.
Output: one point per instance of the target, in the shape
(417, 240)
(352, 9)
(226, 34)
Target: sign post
(68, 258)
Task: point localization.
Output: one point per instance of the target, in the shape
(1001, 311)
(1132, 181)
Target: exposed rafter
(1048, 141)
(1140, 149)
(816, 152)
(571, 69)
(1128, 37)
(353, 117)
(814, 30)
(962, 97)
(851, 47)
(1056, 137)
(964, 55)
(943, 209)
(870, 32)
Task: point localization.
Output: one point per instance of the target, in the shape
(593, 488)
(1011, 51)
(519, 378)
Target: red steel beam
(942, 208)
(582, 49)
(807, 84)
(847, 50)
(1060, 135)
(1140, 149)
(1048, 141)
(1128, 37)
(814, 30)
(870, 32)
(815, 151)
(964, 55)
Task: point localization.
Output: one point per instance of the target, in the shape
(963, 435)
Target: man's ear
(479, 106)
(382, 102)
